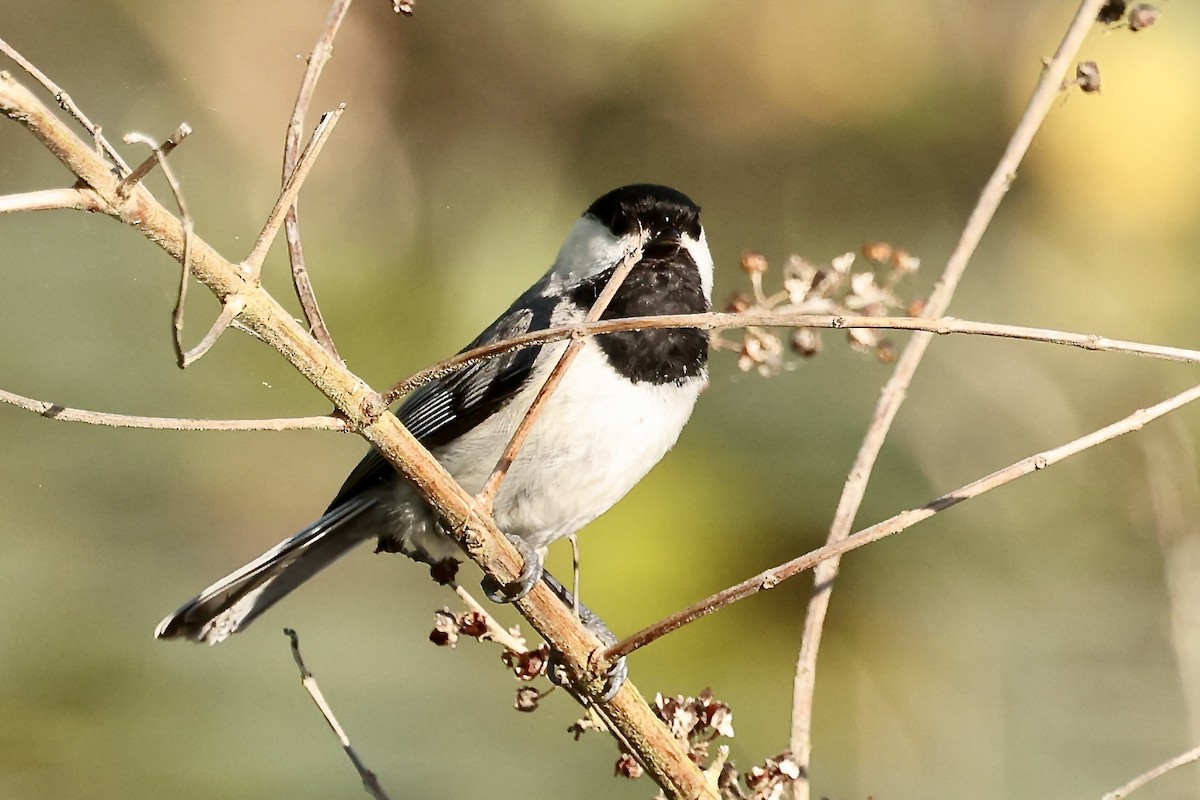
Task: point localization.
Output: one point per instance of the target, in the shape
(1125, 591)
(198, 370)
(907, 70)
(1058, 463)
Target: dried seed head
(904, 261)
(445, 629)
(862, 339)
(917, 307)
(806, 342)
(528, 699)
(738, 303)
(1087, 75)
(1143, 16)
(762, 351)
(842, 263)
(1111, 12)
(878, 252)
(885, 351)
(528, 665)
(754, 263)
(473, 624)
(628, 767)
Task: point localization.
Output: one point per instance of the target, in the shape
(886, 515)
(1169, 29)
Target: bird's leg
(618, 672)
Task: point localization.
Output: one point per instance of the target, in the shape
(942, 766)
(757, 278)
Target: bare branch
(64, 414)
(1162, 769)
(50, 199)
(370, 781)
(896, 389)
(786, 319)
(291, 188)
(905, 519)
(488, 494)
(321, 53)
(67, 104)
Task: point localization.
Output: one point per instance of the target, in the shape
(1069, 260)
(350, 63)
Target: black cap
(658, 209)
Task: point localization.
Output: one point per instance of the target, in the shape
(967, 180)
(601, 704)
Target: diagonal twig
(894, 392)
(905, 519)
(1153, 774)
(161, 151)
(67, 104)
(370, 781)
(291, 189)
(321, 53)
(488, 494)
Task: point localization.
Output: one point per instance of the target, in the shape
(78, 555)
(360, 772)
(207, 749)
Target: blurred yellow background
(1041, 641)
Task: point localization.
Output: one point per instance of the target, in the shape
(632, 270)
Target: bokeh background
(1041, 641)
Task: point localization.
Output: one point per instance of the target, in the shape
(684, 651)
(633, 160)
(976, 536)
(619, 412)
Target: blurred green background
(1041, 641)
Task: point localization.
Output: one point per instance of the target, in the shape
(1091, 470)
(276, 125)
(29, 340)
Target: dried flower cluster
(1140, 17)
(766, 782)
(808, 289)
(447, 627)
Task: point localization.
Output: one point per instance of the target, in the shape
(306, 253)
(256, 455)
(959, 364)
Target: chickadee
(619, 408)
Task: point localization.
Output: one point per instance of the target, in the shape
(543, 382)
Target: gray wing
(446, 408)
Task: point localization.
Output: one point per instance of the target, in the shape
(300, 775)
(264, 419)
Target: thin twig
(321, 53)
(63, 414)
(488, 494)
(75, 198)
(905, 519)
(182, 358)
(67, 104)
(896, 389)
(142, 170)
(233, 306)
(1162, 769)
(497, 632)
(777, 318)
(291, 188)
(370, 782)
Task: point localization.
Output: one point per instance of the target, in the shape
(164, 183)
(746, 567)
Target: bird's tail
(236, 600)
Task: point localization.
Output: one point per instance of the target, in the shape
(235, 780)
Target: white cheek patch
(698, 250)
(589, 250)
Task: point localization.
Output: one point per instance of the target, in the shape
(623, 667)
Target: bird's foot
(531, 574)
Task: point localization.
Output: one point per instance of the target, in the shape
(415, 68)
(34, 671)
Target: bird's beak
(663, 244)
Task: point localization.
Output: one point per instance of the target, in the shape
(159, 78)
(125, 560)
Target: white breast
(596, 438)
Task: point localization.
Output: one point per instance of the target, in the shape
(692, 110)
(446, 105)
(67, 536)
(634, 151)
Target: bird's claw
(531, 574)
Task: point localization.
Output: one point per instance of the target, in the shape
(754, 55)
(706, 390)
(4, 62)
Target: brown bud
(1087, 75)
(885, 351)
(473, 624)
(917, 307)
(879, 252)
(1112, 11)
(1143, 16)
(527, 665)
(754, 263)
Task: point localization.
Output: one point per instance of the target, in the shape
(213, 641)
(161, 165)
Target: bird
(621, 405)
